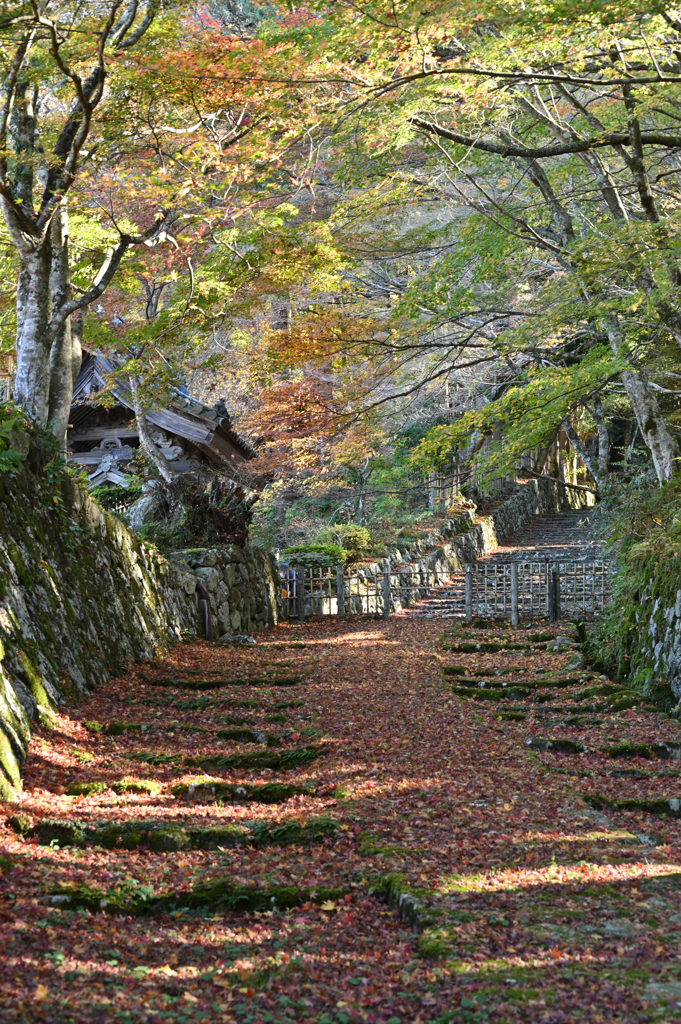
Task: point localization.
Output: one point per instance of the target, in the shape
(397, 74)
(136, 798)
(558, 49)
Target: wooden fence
(512, 590)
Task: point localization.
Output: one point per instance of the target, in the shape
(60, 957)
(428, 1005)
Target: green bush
(355, 540)
(316, 555)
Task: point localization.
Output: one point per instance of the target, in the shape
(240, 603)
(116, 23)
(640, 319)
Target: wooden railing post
(468, 598)
(300, 593)
(340, 591)
(514, 595)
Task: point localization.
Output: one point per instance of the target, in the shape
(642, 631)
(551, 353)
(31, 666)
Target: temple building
(193, 437)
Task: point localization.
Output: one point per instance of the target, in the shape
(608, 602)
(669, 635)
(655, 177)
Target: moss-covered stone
(214, 789)
(169, 839)
(86, 788)
(148, 757)
(53, 831)
(219, 894)
(629, 750)
(227, 837)
(664, 806)
(133, 785)
(19, 823)
(295, 758)
(240, 735)
(119, 728)
(114, 837)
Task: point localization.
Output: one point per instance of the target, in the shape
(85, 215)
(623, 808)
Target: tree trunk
(61, 355)
(662, 446)
(32, 384)
(148, 443)
(581, 449)
(603, 437)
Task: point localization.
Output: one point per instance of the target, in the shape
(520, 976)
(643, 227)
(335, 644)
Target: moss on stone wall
(81, 596)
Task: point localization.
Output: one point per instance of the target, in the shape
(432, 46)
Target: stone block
(210, 578)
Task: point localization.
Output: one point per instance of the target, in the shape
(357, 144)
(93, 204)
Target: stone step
(562, 537)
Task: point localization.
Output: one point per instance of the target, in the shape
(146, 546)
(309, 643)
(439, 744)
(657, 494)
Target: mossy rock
(198, 685)
(275, 718)
(282, 681)
(19, 823)
(119, 728)
(278, 792)
(625, 704)
(114, 836)
(228, 837)
(239, 735)
(86, 788)
(147, 757)
(603, 690)
(224, 895)
(91, 726)
(492, 694)
(512, 716)
(669, 807)
(270, 793)
(235, 720)
(246, 702)
(289, 704)
(51, 831)
(290, 833)
(220, 894)
(296, 758)
(195, 705)
(168, 839)
(628, 750)
(6, 864)
(131, 785)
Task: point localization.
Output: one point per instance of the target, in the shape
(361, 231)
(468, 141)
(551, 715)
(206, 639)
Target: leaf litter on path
(476, 881)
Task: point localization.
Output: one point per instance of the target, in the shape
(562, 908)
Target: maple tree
(543, 142)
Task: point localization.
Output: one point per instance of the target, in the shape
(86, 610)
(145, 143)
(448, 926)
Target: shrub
(316, 555)
(355, 540)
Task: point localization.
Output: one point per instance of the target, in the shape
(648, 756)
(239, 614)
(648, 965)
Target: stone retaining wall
(81, 597)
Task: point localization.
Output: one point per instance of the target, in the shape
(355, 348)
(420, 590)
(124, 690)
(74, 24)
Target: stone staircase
(561, 537)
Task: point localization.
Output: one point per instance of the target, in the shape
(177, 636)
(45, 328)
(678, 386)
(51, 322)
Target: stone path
(475, 834)
(562, 537)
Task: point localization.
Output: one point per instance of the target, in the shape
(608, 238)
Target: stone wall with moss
(639, 639)
(81, 596)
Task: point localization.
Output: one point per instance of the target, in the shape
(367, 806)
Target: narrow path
(561, 537)
(520, 900)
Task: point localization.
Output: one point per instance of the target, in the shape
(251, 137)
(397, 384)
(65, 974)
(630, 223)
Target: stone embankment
(81, 597)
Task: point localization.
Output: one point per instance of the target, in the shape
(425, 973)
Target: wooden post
(551, 582)
(556, 589)
(514, 595)
(386, 588)
(468, 598)
(300, 593)
(340, 591)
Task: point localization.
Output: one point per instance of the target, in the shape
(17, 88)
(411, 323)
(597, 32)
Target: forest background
(407, 244)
